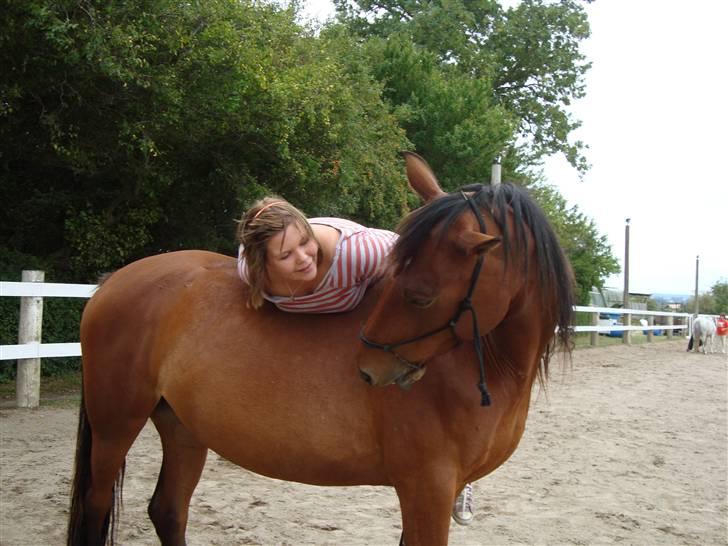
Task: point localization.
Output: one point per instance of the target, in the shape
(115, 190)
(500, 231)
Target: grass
(55, 391)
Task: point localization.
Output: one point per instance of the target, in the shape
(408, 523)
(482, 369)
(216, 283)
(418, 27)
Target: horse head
(459, 269)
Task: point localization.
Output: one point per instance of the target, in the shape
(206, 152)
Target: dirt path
(630, 447)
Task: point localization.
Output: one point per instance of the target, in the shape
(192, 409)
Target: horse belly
(282, 418)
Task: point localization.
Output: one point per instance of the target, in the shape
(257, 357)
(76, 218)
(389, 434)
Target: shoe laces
(464, 501)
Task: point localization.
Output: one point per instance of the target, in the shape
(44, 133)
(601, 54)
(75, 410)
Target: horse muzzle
(397, 371)
(411, 376)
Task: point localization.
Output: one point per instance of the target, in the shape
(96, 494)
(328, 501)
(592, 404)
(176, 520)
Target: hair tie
(266, 207)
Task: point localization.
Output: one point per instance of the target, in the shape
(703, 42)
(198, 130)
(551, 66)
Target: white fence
(35, 291)
(674, 321)
(30, 350)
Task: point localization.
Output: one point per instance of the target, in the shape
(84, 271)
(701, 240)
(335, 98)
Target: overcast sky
(655, 120)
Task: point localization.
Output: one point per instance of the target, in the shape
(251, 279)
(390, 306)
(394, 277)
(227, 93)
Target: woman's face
(291, 255)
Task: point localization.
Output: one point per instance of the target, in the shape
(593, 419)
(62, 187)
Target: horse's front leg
(426, 504)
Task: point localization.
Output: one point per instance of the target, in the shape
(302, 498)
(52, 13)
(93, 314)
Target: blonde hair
(266, 218)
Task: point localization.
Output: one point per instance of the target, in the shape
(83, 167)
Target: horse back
(131, 303)
(703, 326)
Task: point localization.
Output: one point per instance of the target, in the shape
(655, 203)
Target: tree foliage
(720, 296)
(139, 127)
(449, 116)
(522, 64)
(713, 302)
(589, 252)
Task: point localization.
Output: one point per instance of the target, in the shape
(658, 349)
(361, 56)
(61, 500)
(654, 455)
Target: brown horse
(169, 338)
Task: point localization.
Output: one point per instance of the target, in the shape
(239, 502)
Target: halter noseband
(466, 304)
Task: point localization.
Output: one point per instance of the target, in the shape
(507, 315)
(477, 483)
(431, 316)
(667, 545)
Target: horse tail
(81, 479)
(77, 535)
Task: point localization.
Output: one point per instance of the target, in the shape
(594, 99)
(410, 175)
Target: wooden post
(627, 334)
(27, 382)
(670, 322)
(697, 275)
(594, 337)
(495, 173)
(650, 333)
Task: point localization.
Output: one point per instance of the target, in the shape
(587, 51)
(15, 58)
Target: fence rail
(35, 349)
(30, 350)
(47, 289)
(596, 311)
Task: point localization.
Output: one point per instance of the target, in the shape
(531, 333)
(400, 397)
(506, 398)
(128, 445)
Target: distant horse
(703, 332)
(170, 338)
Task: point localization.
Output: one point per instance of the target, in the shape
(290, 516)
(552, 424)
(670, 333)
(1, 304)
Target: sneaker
(462, 510)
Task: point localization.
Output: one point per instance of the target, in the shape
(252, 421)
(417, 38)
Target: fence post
(650, 333)
(670, 322)
(27, 382)
(594, 336)
(626, 334)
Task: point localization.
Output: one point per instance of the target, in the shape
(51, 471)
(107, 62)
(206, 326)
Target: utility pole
(697, 269)
(626, 339)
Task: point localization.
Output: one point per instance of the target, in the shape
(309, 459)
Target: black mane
(554, 271)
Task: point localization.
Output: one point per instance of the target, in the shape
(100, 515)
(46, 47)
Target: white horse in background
(703, 330)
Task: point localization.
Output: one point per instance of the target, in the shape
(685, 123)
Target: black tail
(77, 535)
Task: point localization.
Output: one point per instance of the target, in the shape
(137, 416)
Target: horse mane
(555, 278)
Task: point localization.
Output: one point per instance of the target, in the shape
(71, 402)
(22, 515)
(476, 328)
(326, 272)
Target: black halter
(465, 305)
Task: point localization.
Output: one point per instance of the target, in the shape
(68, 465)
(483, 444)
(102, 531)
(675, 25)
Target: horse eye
(399, 268)
(421, 301)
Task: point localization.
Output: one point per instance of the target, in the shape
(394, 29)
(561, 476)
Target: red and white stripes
(358, 261)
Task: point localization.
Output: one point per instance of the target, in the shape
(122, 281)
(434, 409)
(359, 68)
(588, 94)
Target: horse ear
(421, 177)
(475, 242)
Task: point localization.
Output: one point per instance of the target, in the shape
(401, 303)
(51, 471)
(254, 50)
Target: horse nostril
(366, 377)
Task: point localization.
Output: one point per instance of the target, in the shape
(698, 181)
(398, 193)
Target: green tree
(139, 127)
(450, 117)
(719, 292)
(713, 302)
(525, 60)
(589, 253)
(706, 304)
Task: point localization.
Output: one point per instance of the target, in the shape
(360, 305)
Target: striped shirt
(358, 261)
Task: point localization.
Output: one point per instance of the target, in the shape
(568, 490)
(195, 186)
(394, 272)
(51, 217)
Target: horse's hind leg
(182, 464)
(102, 498)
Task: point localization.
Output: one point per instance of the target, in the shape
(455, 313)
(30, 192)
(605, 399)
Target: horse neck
(517, 344)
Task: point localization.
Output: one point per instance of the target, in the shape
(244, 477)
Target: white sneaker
(462, 510)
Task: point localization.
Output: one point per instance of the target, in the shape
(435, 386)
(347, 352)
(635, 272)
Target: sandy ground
(629, 447)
